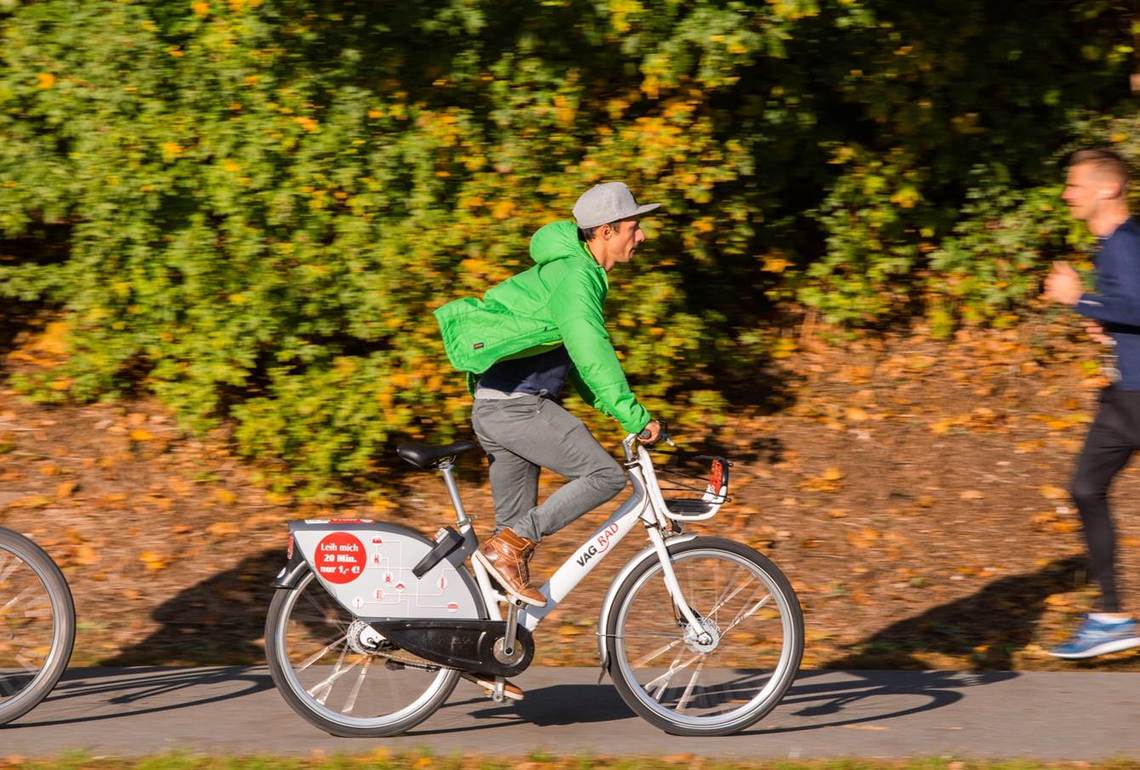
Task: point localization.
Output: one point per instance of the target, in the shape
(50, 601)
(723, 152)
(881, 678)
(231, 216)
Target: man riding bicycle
(519, 345)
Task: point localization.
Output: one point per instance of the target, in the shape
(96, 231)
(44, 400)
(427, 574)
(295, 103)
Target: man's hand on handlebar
(651, 433)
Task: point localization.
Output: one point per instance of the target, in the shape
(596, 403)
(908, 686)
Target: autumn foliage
(251, 207)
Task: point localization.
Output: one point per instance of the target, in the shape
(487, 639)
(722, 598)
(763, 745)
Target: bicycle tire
(16, 549)
(636, 618)
(309, 706)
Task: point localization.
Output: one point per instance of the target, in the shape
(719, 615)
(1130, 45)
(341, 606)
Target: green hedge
(265, 199)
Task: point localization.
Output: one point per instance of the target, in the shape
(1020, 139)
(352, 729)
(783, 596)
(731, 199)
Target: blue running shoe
(1097, 638)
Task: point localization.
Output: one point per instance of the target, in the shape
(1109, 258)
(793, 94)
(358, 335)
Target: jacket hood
(556, 240)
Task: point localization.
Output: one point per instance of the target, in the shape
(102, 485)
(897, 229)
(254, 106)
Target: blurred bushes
(265, 199)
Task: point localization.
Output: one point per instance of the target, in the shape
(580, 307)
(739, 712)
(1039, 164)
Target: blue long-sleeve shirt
(1116, 303)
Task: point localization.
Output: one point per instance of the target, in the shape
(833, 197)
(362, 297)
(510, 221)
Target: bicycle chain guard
(468, 645)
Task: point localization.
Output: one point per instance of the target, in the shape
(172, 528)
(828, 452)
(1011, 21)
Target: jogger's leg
(1105, 452)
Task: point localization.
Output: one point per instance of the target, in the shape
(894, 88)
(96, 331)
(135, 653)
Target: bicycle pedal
(511, 691)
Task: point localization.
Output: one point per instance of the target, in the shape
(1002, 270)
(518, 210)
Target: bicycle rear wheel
(37, 625)
(728, 673)
(323, 664)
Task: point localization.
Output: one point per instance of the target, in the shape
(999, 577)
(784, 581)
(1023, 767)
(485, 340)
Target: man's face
(1084, 189)
(624, 239)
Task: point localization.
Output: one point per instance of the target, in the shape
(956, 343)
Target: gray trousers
(522, 436)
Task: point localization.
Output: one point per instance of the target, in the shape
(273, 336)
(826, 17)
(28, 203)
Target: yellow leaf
(141, 434)
(832, 474)
(65, 489)
(225, 496)
(775, 264)
(200, 7)
(32, 502)
(45, 80)
(1050, 492)
(53, 340)
(223, 529)
(86, 555)
(152, 560)
(170, 151)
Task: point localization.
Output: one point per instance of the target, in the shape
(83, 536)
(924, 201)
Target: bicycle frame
(645, 505)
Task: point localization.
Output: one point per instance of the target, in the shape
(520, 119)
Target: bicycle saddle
(424, 455)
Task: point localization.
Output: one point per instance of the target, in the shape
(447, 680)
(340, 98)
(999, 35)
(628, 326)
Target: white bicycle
(373, 624)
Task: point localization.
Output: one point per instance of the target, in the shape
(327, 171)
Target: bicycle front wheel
(726, 674)
(331, 673)
(37, 625)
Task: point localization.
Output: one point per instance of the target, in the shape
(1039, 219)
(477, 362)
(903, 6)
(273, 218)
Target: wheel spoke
(684, 701)
(15, 599)
(8, 566)
(730, 596)
(320, 654)
(743, 615)
(350, 704)
(326, 685)
(668, 677)
(673, 669)
(660, 651)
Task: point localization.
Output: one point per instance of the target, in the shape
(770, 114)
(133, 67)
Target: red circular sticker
(340, 557)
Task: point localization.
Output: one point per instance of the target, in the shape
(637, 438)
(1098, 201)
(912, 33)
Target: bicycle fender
(368, 567)
(649, 552)
(292, 572)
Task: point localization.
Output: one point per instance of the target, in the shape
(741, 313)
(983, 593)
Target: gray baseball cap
(608, 202)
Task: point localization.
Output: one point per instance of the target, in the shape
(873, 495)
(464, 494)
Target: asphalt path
(891, 714)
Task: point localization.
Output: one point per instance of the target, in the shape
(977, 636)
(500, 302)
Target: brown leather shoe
(505, 555)
(487, 681)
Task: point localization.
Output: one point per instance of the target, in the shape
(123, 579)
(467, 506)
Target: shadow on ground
(817, 700)
(219, 621)
(984, 629)
(149, 691)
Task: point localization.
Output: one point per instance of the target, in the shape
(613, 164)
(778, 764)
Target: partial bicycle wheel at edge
(37, 625)
(724, 676)
(323, 667)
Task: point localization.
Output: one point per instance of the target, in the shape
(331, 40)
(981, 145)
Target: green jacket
(556, 302)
